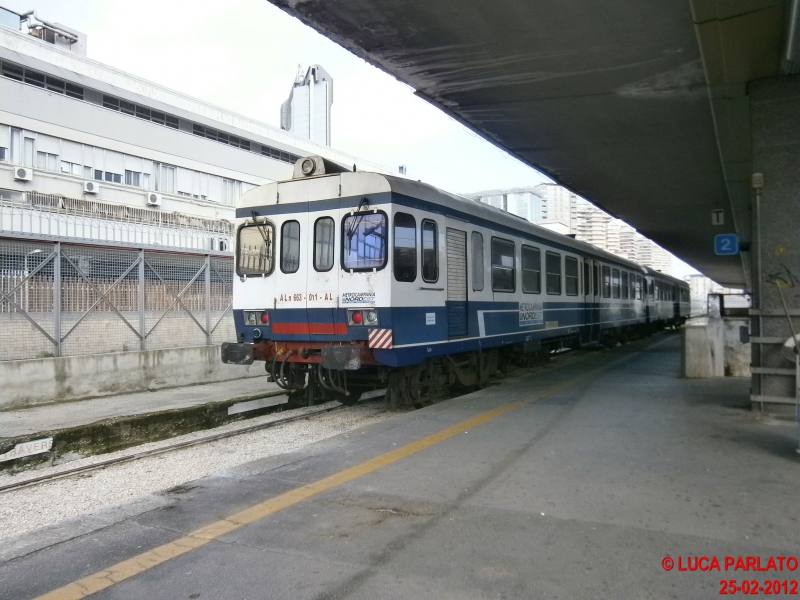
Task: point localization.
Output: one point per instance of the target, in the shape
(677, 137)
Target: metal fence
(66, 299)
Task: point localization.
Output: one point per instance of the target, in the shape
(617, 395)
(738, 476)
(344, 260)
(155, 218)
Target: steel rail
(164, 449)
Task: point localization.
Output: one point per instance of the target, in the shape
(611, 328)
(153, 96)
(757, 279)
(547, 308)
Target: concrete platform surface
(574, 482)
(27, 421)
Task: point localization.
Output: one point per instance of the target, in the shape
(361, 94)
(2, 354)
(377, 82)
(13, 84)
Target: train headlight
(372, 317)
(265, 318)
(354, 317)
(307, 166)
(250, 318)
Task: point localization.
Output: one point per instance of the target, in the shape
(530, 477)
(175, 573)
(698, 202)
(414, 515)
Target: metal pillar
(142, 321)
(57, 297)
(207, 268)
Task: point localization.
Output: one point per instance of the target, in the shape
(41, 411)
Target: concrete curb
(118, 433)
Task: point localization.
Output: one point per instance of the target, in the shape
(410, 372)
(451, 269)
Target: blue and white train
(348, 281)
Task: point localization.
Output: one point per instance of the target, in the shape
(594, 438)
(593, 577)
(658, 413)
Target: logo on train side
(358, 298)
(531, 313)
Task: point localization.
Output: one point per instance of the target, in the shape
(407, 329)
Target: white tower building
(307, 111)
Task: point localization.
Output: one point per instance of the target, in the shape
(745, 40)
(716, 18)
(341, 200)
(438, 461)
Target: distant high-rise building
(307, 111)
(556, 203)
(556, 208)
(523, 202)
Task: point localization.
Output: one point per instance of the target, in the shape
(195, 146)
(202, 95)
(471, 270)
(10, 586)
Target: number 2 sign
(726, 243)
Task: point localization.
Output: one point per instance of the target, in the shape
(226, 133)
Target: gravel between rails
(47, 503)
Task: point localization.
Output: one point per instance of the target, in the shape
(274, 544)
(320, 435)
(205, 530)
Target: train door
(321, 245)
(456, 282)
(292, 262)
(676, 302)
(591, 274)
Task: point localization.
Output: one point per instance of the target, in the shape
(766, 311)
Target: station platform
(574, 482)
(40, 420)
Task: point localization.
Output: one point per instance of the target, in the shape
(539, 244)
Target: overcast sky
(243, 55)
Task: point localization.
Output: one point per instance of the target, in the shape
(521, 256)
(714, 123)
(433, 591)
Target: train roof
(362, 183)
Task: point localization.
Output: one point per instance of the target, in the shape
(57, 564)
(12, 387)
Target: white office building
(117, 200)
(307, 111)
(95, 136)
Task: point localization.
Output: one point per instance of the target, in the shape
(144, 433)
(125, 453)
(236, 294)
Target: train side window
(650, 289)
(531, 270)
(571, 275)
(324, 239)
(625, 283)
(596, 280)
(477, 261)
(254, 249)
(606, 282)
(430, 252)
(586, 281)
(290, 246)
(552, 266)
(503, 266)
(405, 247)
(364, 241)
(615, 283)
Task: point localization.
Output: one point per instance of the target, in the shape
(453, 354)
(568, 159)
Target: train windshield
(364, 237)
(254, 249)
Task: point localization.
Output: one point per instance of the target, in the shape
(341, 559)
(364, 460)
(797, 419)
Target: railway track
(165, 449)
(562, 359)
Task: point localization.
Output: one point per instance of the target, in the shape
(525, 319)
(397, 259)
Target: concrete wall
(737, 352)
(28, 383)
(703, 348)
(714, 348)
(775, 122)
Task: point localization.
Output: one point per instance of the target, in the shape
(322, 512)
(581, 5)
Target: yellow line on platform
(199, 537)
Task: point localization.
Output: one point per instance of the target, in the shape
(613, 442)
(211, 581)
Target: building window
(625, 284)
(477, 261)
(606, 282)
(231, 190)
(324, 231)
(278, 154)
(129, 108)
(290, 247)
(68, 167)
(220, 136)
(503, 266)
(430, 252)
(165, 178)
(53, 84)
(571, 286)
(552, 265)
(3, 154)
(112, 177)
(133, 178)
(47, 161)
(405, 247)
(615, 283)
(364, 241)
(531, 270)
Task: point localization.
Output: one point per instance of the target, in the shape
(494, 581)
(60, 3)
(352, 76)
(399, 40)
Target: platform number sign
(726, 243)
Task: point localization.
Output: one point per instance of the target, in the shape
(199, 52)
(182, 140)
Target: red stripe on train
(310, 328)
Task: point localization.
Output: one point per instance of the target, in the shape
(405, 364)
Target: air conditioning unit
(23, 174)
(153, 199)
(91, 187)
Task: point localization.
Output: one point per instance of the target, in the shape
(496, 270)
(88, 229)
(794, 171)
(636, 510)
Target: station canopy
(639, 107)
